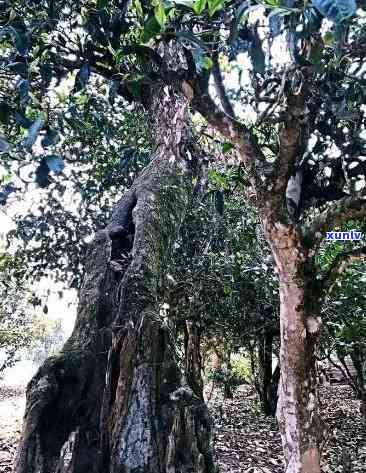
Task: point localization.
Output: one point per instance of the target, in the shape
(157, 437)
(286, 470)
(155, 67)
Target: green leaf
(118, 56)
(18, 37)
(151, 29)
(7, 178)
(138, 8)
(199, 6)
(272, 3)
(215, 5)
(102, 4)
(160, 15)
(280, 12)
(207, 63)
(218, 179)
(171, 13)
(329, 38)
(226, 147)
(227, 290)
(135, 87)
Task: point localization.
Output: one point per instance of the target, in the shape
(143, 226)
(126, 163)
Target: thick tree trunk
(297, 409)
(114, 401)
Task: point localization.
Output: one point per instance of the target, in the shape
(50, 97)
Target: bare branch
(340, 368)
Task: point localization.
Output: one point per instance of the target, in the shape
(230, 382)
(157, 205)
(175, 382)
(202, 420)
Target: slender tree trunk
(223, 368)
(193, 360)
(297, 409)
(264, 380)
(251, 349)
(275, 382)
(357, 357)
(216, 360)
(113, 401)
(228, 391)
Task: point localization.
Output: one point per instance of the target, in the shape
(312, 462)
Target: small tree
(16, 324)
(345, 329)
(49, 338)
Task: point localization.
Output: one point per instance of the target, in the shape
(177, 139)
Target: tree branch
(339, 212)
(220, 88)
(339, 263)
(230, 128)
(141, 50)
(293, 138)
(339, 367)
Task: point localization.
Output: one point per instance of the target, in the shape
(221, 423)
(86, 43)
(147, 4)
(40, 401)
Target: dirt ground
(12, 404)
(245, 440)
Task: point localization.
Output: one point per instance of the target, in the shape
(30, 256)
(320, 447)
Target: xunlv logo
(351, 235)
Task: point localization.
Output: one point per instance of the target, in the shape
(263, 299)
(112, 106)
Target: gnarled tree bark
(114, 400)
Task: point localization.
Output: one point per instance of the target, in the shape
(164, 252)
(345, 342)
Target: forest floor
(245, 440)
(248, 442)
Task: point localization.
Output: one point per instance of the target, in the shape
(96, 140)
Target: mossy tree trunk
(114, 400)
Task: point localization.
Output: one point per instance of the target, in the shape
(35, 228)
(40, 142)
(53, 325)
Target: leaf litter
(248, 442)
(245, 440)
